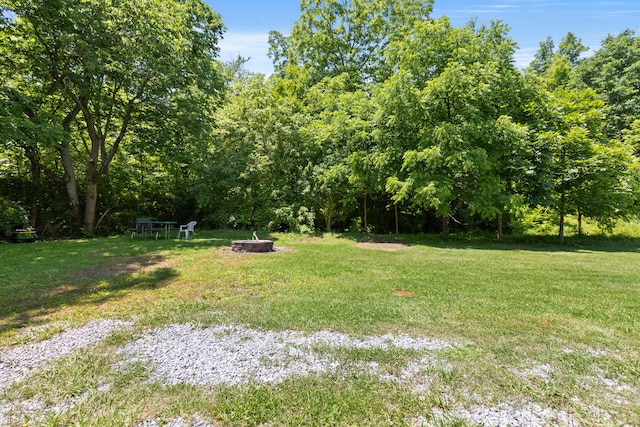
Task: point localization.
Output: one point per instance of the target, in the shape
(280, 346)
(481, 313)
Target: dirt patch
(126, 265)
(226, 250)
(311, 239)
(403, 293)
(382, 243)
(379, 239)
(383, 246)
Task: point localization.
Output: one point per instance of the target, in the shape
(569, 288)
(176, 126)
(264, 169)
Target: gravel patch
(593, 352)
(416, 374)
(503, 415)
(175, 422)
(234, 354)
(18, 362)
(542, 371)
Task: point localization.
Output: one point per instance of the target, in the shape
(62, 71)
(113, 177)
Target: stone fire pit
(252, 245)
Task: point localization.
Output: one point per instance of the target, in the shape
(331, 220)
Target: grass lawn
(545, 326)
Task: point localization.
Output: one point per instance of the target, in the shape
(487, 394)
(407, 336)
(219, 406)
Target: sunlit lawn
(574, 309)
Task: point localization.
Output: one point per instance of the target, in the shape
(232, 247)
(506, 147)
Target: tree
(463, 137)
(260, 143)
(548, 60)
(571, 48)
(610, 185)
(632, 137)
(559, 71)
(613, 71)
(589, 174)
(544, 56)
(108, 65)
(333, 37)
(341, 129)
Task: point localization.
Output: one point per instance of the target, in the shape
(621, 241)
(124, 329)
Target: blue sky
(248, 22)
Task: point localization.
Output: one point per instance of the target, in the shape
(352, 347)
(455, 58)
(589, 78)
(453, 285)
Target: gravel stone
(507, 415)
(503, 415)
(542, 371)
(175, 422)
(234, 354)
(18, 362)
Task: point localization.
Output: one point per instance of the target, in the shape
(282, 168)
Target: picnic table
(151, 226)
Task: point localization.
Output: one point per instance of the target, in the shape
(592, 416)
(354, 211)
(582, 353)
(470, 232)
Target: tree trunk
(366, 224)
(500, 227)
(561, 230)
(579, 224)
(100, 156)
(32, 155)
(70, 184)
(93, 177)
(445, 227)
(328, 214)
(90, 207)
(67, 165)
(395, 205)
(328, 210)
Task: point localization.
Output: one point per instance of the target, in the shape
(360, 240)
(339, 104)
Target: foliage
(11, 215)
(378, 118)
(467, 150)
(613, 72)
(97, 69)
(544, 56)
(333, 37)
(590, 175)
(571, 48)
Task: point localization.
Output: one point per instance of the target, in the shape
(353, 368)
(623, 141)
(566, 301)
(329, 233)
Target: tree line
(377, 118)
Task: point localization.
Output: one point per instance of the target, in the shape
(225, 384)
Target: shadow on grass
(85, 287)
(45, 277)
(516, 243)
(42, 278)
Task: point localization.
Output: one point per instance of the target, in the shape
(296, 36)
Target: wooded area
(377, 118)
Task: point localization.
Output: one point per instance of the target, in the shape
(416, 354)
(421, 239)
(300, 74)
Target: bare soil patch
(227, 251)
(383, 246)
(311, 239)
(382, 243)
(125, 265)
(403, 293)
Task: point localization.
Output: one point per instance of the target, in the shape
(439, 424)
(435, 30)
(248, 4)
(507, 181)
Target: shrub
(288, 218)
(12, 215)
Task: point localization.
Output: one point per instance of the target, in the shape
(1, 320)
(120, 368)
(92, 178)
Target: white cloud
(523, 57)
(247, 45)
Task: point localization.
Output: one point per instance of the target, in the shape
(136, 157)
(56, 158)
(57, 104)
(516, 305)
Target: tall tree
(632, 136)
(589, 175)
(544, 56)
(341, 130)
(571, 47)
(108, 61)
(333, 37)
(613, 71)
(464, 139)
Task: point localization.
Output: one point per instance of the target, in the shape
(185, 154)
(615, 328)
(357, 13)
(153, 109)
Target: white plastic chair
(186, 229)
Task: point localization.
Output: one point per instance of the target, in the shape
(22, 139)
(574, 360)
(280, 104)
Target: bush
(12, 215)
(288, 218)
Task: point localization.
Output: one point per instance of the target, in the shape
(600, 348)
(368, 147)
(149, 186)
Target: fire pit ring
(252, 245)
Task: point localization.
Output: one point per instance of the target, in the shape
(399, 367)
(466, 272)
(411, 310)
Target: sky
(248, 23)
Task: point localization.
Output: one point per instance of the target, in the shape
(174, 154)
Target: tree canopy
(94, 69)
(377, 118)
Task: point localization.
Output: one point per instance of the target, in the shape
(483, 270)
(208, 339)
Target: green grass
(571, 310)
